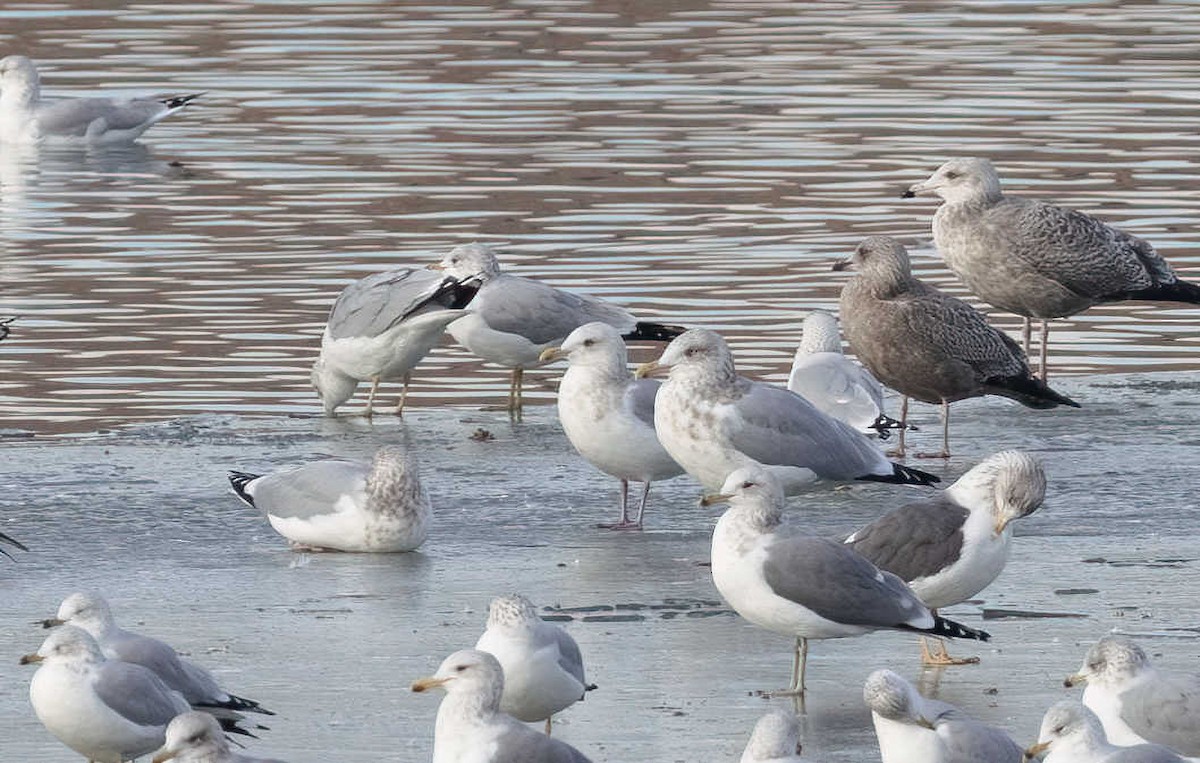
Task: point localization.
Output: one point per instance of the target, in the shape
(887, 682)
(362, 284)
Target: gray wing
(1166, 711)
(640, 397)
(969, 741)
(541, 313)
(831, 381)
(570, 658)
(71, 117)
(1144, 753)
(838, 584)
(134, 693)
(520, 744)
(916, 540)
(157, 657)
(777, 427)
(372, 305)
(310, 490)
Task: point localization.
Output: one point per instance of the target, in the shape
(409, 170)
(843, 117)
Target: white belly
(906, 743)
(612, 440)
(350, 528)
(501, 348)
(1105, 705)
(981, 563)
(70, 711)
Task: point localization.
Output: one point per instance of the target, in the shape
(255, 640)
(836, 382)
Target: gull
(713, 421)
(338, 505)
(913, 729)
(802, 585)
(109, 711)
(471, 728)
(1036, 259)
(1071, 733)
(775, 739)
(91, 613)
(926, 344)
(513, 319)
(1136, 702)
(26, 118)
(950, 547)
(195, 737)
(608, 415)
(543, 667)
(380, 328)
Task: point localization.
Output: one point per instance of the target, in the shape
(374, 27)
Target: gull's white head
(698, 352)
(18, 78)
(752, 493)
(1011, 484)
(593, 345)
(66, 644)
(332, 387)
(1069, 731)
(193, 736)
(1110, 663)
(961, 180)
(470, 261)
(86, 610)
(890, 696)
(819, 334)
(512, 611)
(468, 673)
(776, 737)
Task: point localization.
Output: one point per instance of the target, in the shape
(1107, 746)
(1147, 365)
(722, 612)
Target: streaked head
(1111, 662)
(85, 609)
(66, 644)
(890, 696)
(196, 733)
(695, 351)
(592, 344)
(960, 180)
(332, 387)
(17, 71)
(776, 736)
(1067, 724)
(470, 261)
(879, 258)
(469, 672)
(511, 610)
(820, 333)
(1011, 483)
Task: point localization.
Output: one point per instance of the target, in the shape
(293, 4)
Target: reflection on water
(698, 161)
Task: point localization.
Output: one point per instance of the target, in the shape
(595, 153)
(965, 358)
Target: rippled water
(699, 161)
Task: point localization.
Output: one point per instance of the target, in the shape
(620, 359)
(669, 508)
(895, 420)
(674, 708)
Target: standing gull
(513, 319)
(1071, 733)
(109, 711)
(543, 667)
(1035, 259)
(802, 585)
(608, 415)
(471, 728)
(26, 118)
(196, 737)
(713, 421)
(380, 328)
(952, 546)
(1135, 701)
(775, 739)
(926, 344)
(337, 505)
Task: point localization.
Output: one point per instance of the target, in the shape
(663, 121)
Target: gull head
(1111, 662)
(752, 492)
(695, 351)
(890, 696)
(776, 736)
(332, 387)
(1068, 726)
(468, 672)
(469, 261)
(394, 482)
(960, 180)
(66, 644)
(879, 258)
(1011, 484)
(18, 73)
(512, 611)
(594, 344)
(86, 610)
(196, 733)
(819, 334)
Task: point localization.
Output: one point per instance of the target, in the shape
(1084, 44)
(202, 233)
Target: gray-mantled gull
(340, 505)
(381, 327)
(1071, 733)
(835, 384)
(775, 739)
(1035, 259)
(196, 737)
(950, 547)
(802, 585)
(608, 415)
(470, 725)
(513, 319)
(913, 729)
(543, 667)
(712, 421)
(109, 711)
(90, 612)
(1136, 702)
(26, 118)
(926, 344)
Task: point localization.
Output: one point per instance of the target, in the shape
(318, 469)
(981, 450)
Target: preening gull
(470, 725)
(543, 667)
(381, 327)
(713, 421)
(196, 737)
(1035, 259)
(950, 547)
(835, 384)
(91, 613)
(913, 729)
(608, 415)
(1136, 702)
(340, 505)
(1071, 733)
(513, 319)
(802, 585)
(109, 711)
(926, 344)
(776, 739)
(26, 118)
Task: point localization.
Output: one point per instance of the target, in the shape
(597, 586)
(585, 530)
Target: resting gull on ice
(802, 585)
(340, 505)
(775, 739)
(380, 328)
(470, 725)
(950, 547)
(1071, 733)
(26, 118)
(926, 344)
(608, 415)
(712, 421)
(1036, 259)
(513, 319)
(196, 737)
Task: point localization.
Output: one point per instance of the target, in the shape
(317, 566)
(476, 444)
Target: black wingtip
(903, 475)
(951, 629)
(1176, 291)
(5, 538)
(4, 329)
(239, 480)
(591, 687)
(455, 294)
(1030, 392)
(653, 332)
(179, 101)
(241, 705)
(230, 726)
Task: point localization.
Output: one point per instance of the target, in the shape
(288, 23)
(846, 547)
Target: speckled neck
(512, 611)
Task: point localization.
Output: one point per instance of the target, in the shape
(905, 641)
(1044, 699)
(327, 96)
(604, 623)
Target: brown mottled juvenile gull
(802, 585)
(775, 739)
(380, 328)
(470, 726)
(513, 319)
(713, 421)
(1036, 259)
(196, 737)
(609, 416)
(1071, 733)
(950, 547)
(926, 344)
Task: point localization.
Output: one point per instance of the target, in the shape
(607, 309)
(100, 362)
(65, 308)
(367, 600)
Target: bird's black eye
(690, 351)
(1058, 729)
(461, 668)
(588, 342)
(747, 485)
(951, 175)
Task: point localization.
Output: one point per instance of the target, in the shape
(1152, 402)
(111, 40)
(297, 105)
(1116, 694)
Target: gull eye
(690, 351)
(1058, 729)
(460, 668)
(588, 342)
(747, 485)
(952, 175)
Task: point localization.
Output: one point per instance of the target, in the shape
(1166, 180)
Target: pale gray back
(541, 313)
(310, 490)
(372, 305)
